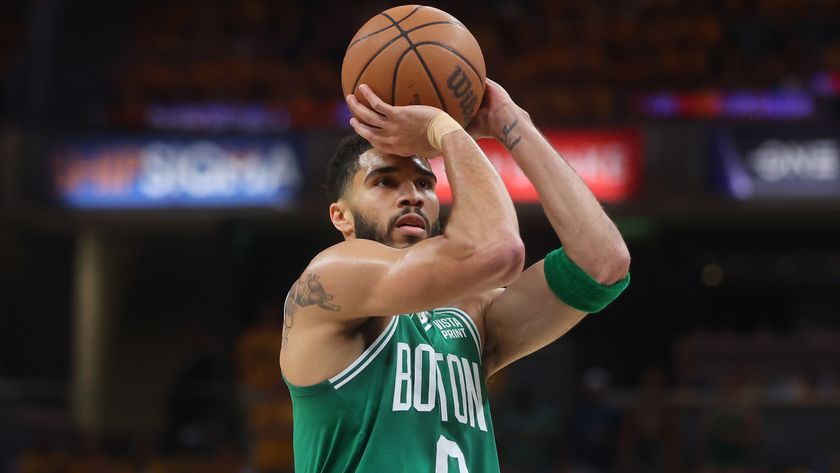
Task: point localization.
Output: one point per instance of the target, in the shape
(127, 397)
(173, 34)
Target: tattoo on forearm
(508, 139)
(307, 291)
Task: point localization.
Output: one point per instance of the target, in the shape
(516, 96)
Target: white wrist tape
(442, 124)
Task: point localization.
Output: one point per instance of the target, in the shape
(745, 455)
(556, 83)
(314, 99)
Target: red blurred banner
(610, 162)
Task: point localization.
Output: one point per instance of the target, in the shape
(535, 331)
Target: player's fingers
(375, 102)
(372, 134)
(365, 114)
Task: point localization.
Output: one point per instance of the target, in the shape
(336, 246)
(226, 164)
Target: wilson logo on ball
(461, 87)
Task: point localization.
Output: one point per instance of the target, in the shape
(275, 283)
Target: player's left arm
(554, 294)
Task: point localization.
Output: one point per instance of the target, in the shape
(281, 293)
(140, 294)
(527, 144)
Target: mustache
(392, 223)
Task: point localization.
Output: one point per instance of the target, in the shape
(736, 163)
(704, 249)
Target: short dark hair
(344, 164)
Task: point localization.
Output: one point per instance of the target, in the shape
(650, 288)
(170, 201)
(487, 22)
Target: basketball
(414, 54)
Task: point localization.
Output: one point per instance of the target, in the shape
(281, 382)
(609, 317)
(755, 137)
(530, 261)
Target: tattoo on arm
(288, 318)
(305, 292)
(507, 138)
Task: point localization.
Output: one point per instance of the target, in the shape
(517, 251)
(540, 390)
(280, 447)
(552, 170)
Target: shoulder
(350, 263)
(337, 282)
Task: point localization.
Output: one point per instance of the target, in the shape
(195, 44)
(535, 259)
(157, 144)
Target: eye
(385, 182)
(424, 184)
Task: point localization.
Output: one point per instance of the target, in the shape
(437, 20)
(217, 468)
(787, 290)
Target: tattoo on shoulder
(306, 291)
(509, 139)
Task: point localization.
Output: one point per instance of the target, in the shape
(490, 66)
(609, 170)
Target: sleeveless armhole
(370, 354)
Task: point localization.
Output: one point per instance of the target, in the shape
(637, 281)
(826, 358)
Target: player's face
(393, 200)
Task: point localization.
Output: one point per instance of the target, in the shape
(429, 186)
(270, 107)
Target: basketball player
(389, 335)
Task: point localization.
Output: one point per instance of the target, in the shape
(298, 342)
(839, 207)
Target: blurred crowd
(565, 60)
(571, 60)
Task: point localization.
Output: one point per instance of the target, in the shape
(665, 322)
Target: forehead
(371, 160)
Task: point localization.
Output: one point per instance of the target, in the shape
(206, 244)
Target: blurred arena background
(161, 166)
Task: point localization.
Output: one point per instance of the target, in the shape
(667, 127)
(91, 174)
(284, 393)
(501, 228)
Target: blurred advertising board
(167, 172)
(751, 105)
(777, 163)
(609, 161)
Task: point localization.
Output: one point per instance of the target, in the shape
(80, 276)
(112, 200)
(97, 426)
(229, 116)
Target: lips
(411, 220)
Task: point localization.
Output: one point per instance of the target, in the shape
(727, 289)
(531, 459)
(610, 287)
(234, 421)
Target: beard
(369, 230)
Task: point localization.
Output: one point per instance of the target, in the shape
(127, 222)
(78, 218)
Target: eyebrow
(392, 169)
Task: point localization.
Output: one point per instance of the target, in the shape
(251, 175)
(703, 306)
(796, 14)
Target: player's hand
(399, 130)
(495, 112)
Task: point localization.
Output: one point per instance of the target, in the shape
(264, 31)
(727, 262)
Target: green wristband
(577, 288)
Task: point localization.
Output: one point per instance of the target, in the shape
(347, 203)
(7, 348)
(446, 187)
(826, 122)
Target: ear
(342, 218)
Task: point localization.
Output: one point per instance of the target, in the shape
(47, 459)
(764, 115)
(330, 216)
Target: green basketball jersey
(414, 401)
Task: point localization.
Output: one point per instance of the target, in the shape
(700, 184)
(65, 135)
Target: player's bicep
(524, 318)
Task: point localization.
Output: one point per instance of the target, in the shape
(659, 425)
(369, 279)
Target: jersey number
(447, 449)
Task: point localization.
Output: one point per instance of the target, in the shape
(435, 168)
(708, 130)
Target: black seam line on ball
(390, 42)
(444, 46)
(383, 29)
(410, 13)
(411, 46)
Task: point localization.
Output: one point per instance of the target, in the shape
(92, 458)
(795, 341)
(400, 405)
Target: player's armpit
(362, 278)
(524, 318)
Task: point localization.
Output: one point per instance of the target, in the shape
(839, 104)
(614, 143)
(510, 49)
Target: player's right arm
(479, 250)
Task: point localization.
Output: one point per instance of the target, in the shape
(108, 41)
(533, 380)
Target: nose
(410, 196)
